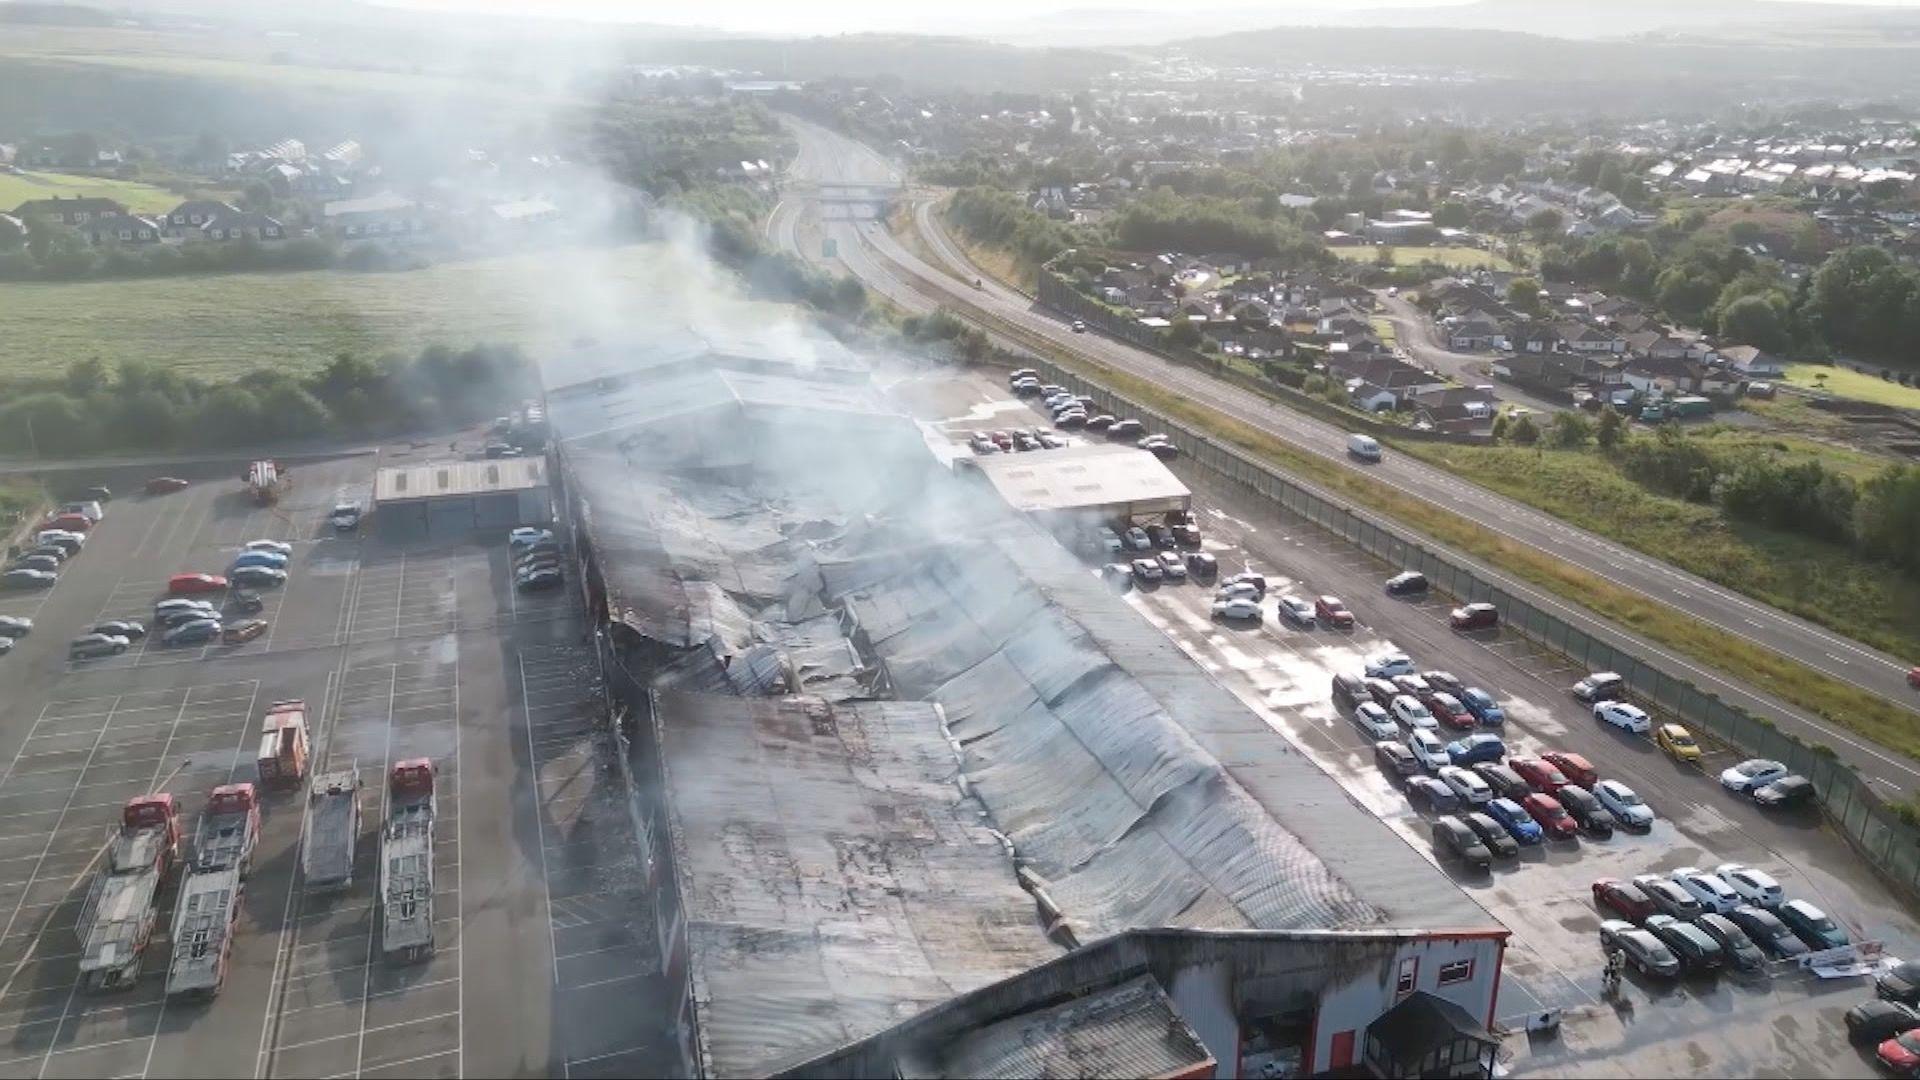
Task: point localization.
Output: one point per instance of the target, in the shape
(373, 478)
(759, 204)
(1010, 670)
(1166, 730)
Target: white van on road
(1364, 447)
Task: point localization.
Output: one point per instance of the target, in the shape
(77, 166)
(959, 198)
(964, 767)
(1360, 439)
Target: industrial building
(923, 798)
(456, 497)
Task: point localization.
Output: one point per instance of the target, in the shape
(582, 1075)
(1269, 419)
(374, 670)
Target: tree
(85, 378)
(1685, 292)
(1757, 320)
(1609, 430)
(12, 236)
(1183, 334)
(1451, 214)
(1522, 431)
(1611, 178)
(1546, 222)
(1523, 294)
(1383, 257)
(1569, 430)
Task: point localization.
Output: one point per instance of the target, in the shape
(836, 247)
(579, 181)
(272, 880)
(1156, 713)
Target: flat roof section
(452, 479)
(1082, 476)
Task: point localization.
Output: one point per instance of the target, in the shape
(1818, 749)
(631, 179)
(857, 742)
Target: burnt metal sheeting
(834, 878)
(1131, 1029)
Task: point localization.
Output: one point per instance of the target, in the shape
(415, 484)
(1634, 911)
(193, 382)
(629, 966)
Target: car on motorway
(1514, 818)
(1395, 759)
(1374, 720)
(272, 560)
(1331, 612)
(165, 485)
(1429, 795)
(1202, 566)
(1706, 887)
(1623, 898)
(1491, 834)
(1172, 566)
(37, 562)
(181, 584)
(1412, 683)
(1751, 775)
(1427, 749)
(1755, 887)
(1552, 818)
(29, 579)
(1407, 583)
(1677, 743)
(1600, 686)
(1624, 804)
(1483, 706)
(90, 645)
(1296, 610)
(1628, 718)
(1695, 947)
(1350, 690)
(1874, 1021)
(539, 579)
(1452, 838)
(1811, 925)
(1913, 677)
(131, 629)
(1735, 946)
(1647, 953)
(1767, 931)
(1900, 983)
(1476, 616)
(1449, 711)
(1386, 665)
(1504, 781)
(1901, 1054)
(1671, 899)
(1539, 775)
(1408, 710)
(256, 576)
(245, 630)
(1079, 326)
(1364, 447)
(1382, 691)
(192, 632)
(1586, 810)
(1470, 788)
(1479, 748)
(1789, 790)
(1575, 767)
(15, 626)
(1238, 609)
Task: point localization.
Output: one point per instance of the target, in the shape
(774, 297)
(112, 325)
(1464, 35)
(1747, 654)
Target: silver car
(87, 645)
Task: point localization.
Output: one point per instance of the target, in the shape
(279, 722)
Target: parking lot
(414, 650)
(1786, 1021)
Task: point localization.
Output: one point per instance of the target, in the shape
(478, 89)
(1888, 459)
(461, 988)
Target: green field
(1847, 383)
(16, 188)
(224, 324)
(1413, 256)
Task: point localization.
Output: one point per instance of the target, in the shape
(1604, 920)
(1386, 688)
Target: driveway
(1416, 334)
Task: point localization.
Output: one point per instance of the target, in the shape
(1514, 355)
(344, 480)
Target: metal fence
(1887, 841)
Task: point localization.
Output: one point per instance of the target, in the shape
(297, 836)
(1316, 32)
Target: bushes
(1003, 219)
(67, 258)
(1163, 220)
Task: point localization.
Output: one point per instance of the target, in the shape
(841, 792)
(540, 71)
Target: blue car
(1476, 748)
(1482, 706)
(272, 560)
(197, 632)
(1516, 820)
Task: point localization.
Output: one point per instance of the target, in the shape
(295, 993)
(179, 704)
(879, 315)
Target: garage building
(1089, 481)
(456, 497)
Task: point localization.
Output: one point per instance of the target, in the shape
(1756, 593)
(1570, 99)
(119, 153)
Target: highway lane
(903, 277)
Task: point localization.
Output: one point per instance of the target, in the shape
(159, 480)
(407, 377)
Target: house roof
(458, 478)
(92, 204)
(1089, 474)
(1131, 1029)
(1423, 1023)
(385, 202)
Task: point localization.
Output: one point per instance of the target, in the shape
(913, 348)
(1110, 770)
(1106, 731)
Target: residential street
(1414, 332)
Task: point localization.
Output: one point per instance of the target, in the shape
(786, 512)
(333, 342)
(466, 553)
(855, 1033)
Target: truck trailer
(406, 862)
(331, 831)
(123, 904)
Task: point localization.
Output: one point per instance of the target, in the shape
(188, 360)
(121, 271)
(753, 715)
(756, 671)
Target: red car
(70, 522)
(1578, 770)
(196, 583)
(1539, 775)
(1447, 709)
(1552, 816)
(1474, 617)
(1913, 677)
(1623, 898)
(1331, 612)
(165, 485)
(1901, 1053)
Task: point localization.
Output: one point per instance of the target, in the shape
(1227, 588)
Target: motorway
(879, 261)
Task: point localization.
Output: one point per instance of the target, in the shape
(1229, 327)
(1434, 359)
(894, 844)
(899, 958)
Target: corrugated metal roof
(1082, 475)
(1131, 1029)
(452, 478)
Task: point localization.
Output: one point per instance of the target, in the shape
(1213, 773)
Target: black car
(1159, 535)
(1100, 423)
(1738, 949)
(1431, 796)
(1202, 566)
(1594, 818)
(1493, 834)
(1784, 792)
(245, 601)
(1350, 690)
(1506, 783)
(1126, 430)
(99, 494)
(37, 562)
(126, 628)
(1451, 837)
(1383, 692)
(539, 579)
(1873, 1022)
(1395, 759)
(1186, 534)
(1695, 947)
(1900, 983)
(1767, 931)
(1407, 583)
(52, 551)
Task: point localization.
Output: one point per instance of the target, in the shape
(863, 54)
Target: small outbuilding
(457, 497)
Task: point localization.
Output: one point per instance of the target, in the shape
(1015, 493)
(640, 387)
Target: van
(1364, 447)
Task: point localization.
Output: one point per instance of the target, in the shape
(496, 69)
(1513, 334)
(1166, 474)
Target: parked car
(1623, 898)
(1576, 768)
(1136, 539)
(1767, 931)
(1159, 446)
(539, 579)
(1427, 749)
(1452, 838)
(1873, 1022)
(1812, 925)
(1483, 707)
(181, 603)
(29, 579)
(1449, 711)
(15, 626)
(272, 560)
(1125, 430)
(1374, 720)
(1445, 682)
(1515, 819)
(1738, 949)
(165, 485)
(1431, 796)
(1755, 887)
(130, 629)
(1147, 572)
(345, 517)
(57, 552)
(278, 547)
(1296, 611)
(1202, 566)
(1395, 759)
(1706, 887)
(1751, 775)
(1671, 899)
(173, 617)
(1695, 947)
(256, 576)
(1901, 1054)
(1600, 686)
(1492, 835)
(1331, 612)
(1477, 616)
(6, 645)
(1411, 683)
(99, 494)
(1470, 788)
(1900, 983)
(1099, 422)
(1411, 713)
(245, 601)
(242, 631)
(1172, 566)
(195, 632)
(1350, 690)
(1252, 579)
(1539, 775)
(1383, 692)
(1185, 534)
(1504, 781)
(180, 584)
(1388, 664)
(1647, 953)
(1476, 749)
(1239, 609)
(1628, 718)
(69, 522)
(37, 562)
(1586, 810)
(70, 542)
(1552, 818)
(1624, 804)
(90, 645)
(1677, 743)
(1789, 790)
(1407, 583)
(1236, 590)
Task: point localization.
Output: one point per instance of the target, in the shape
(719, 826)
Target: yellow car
(1678, 744)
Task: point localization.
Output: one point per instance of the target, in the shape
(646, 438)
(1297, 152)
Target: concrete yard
(545, 954)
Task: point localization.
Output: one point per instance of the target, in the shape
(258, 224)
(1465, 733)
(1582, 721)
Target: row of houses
(102, 221)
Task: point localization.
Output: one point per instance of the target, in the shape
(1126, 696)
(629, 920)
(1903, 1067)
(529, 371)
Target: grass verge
(1847, 383)
(1470, 258)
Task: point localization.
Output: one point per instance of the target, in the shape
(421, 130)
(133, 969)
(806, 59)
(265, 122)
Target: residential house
(1587, 338)
(374, 217)
(183, 222)
(1454, 408)
(243, 225)
(75, 212)
(522, 215)
(1753, 363)
(1534, 338)
(1648, 375)
(1475, 331)
(120, 229)
(1668, 347)
(1368, 397)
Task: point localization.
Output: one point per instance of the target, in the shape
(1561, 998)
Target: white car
(1388, 664)
(1428, 750)
(257, 575)
(182, 603)
(1238, 590)
(278, 547)
(1707, 887)
(1756, 887)
(527, 534)
(1752, 775)
(1630, 718)
(1408, 710)
(1467, 784)
(1296, 611)
(1239, 607)
(1621, 801)
(1374, 721)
